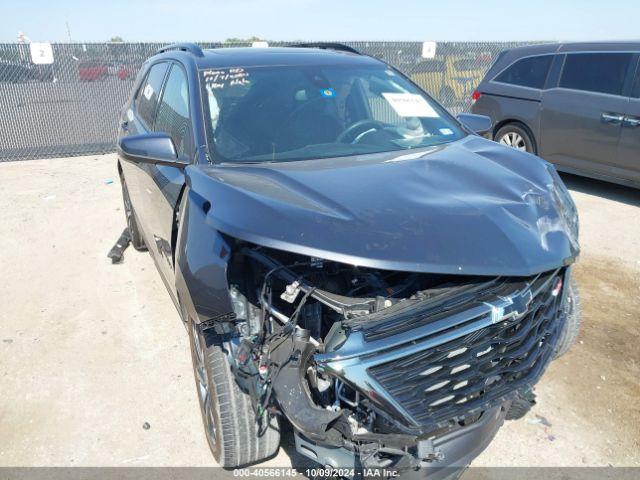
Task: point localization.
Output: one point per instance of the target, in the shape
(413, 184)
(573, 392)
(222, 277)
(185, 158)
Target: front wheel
(514, 136)
(234, 435)
(572, 320)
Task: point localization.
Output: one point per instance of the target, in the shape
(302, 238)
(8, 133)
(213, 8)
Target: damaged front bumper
(455, 449)
(444, 359)
(416, 381)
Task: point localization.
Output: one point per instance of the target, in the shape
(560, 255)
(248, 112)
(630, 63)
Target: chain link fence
(71, 106)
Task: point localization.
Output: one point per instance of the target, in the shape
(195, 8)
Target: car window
(173, 112)
(636, 87)
(527, 72)
(596, 72)
(147, 98)
(295, 113)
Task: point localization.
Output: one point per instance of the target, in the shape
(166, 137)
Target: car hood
(468, 207)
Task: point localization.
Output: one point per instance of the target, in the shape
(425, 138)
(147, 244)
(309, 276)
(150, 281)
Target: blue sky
(213, 20)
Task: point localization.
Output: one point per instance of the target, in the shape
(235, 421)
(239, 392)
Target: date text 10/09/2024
(316, 472)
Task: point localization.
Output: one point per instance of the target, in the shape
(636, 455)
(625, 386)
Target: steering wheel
(358, 128)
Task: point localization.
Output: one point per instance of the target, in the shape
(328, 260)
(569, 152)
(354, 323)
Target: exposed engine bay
(378, 362)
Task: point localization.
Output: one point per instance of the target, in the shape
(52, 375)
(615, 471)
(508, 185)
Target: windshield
(299, 113)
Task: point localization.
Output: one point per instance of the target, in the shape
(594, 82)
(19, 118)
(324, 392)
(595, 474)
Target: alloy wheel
(514, 140)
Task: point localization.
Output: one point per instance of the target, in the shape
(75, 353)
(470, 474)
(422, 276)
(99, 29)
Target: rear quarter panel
(507, 103)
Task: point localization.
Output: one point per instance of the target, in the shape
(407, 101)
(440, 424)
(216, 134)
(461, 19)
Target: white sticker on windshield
(226, 77)
(148, 92)
(410, 105)
(446, 131)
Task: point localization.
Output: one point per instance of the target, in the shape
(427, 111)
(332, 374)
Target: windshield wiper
(310, 152)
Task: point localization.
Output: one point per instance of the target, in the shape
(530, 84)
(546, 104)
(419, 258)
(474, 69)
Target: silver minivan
(576, 105)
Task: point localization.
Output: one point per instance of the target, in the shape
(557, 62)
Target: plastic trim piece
(192, 48)
(338, 47)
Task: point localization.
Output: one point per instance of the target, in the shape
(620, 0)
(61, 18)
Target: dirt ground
(90, 351)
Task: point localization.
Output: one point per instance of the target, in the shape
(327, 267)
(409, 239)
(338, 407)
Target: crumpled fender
(201, 263)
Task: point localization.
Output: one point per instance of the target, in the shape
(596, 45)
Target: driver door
(164, 184)
(629, 146)
(581, 118)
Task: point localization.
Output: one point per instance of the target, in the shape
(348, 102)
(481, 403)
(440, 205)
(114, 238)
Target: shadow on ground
(611, 191)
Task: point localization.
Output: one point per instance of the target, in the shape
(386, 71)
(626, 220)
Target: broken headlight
(564, 205)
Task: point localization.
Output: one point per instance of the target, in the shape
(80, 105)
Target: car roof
(272, 56)
(510, 55)
(596, 46)
(543, 48)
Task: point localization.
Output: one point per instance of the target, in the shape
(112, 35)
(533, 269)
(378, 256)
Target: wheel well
(511, 121)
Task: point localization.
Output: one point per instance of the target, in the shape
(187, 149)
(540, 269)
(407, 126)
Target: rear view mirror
(155, 148)
(476, 123)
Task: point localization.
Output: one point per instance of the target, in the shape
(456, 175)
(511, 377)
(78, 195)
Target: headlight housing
(564, 205)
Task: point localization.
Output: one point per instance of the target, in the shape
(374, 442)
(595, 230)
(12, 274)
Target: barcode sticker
(410, 105)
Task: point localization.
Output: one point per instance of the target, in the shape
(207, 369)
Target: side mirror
(476, 123)
(155, 148)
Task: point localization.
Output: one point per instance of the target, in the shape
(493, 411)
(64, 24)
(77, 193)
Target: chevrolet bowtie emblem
(512, 307)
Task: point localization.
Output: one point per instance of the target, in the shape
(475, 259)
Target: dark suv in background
(576, 105)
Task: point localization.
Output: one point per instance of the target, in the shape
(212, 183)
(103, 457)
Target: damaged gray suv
(347, 257)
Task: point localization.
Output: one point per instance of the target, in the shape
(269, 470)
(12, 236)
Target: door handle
(631, 122)
(613, 118)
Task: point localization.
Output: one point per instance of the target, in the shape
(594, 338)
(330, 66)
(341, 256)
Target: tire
(520, 406)
(572, 320)
(132, 224)
(515, 136)
(234, 436)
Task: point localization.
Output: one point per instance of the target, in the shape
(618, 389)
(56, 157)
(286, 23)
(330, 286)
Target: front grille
(406, 316)
(476, 370)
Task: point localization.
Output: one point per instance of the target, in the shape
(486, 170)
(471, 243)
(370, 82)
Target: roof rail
(339, 47)
(192, 48)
